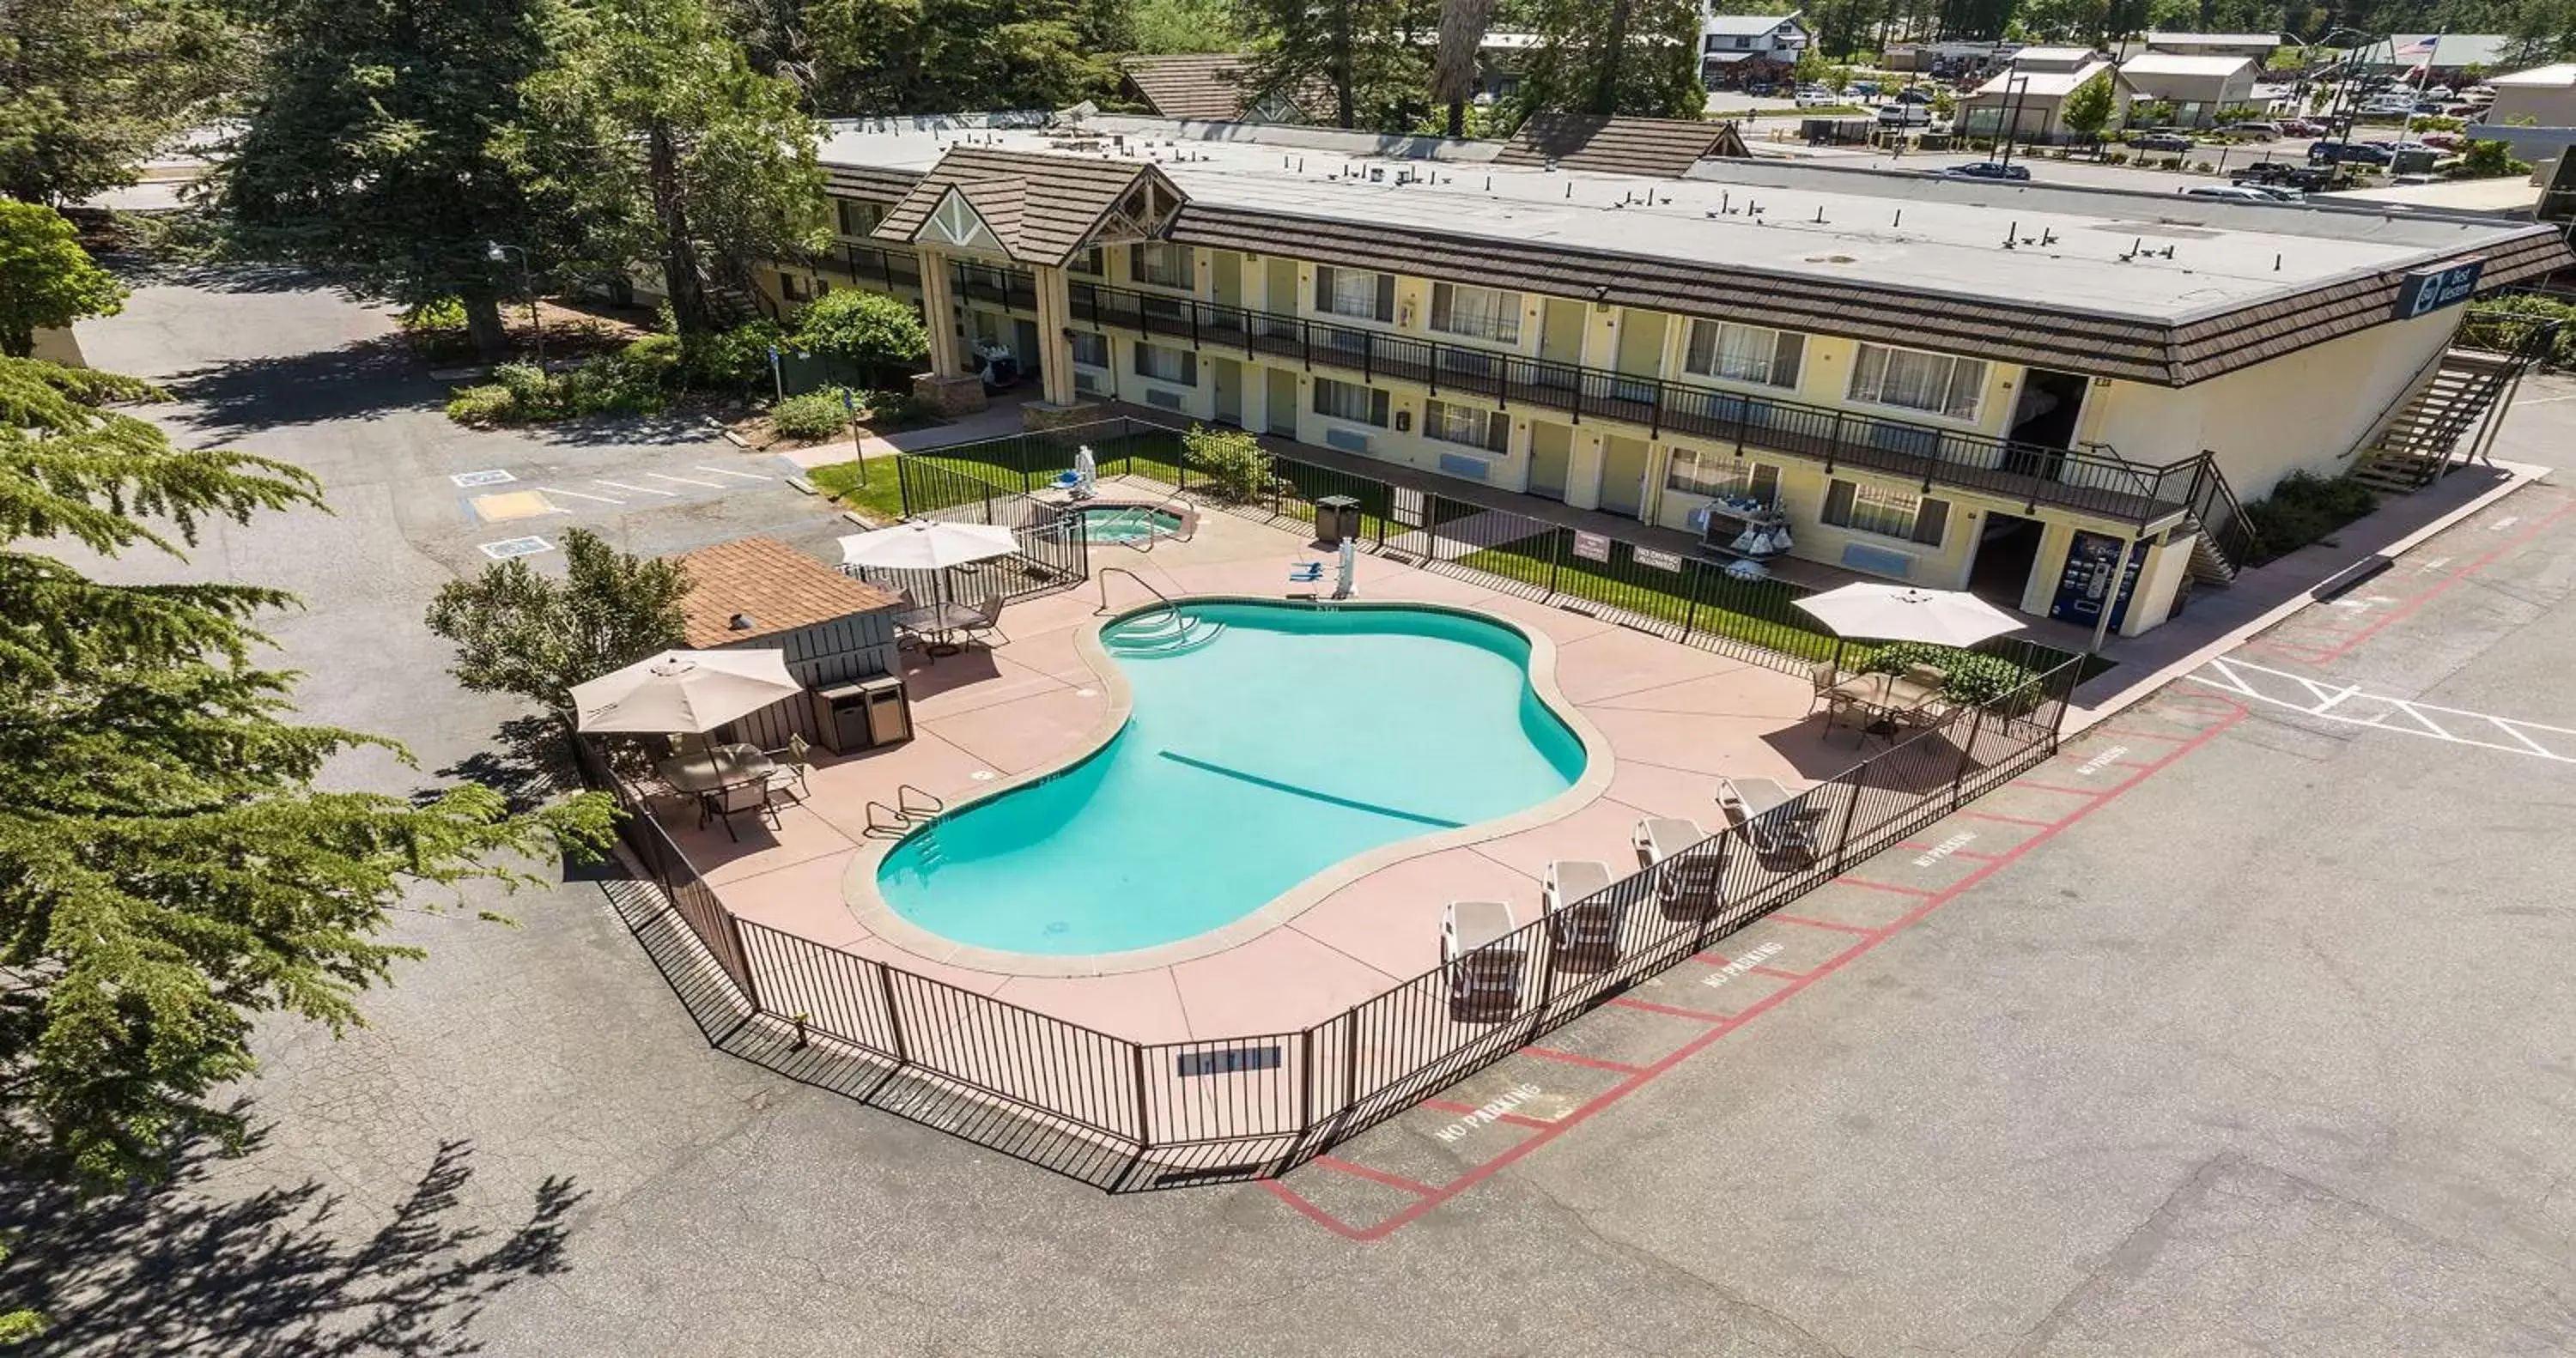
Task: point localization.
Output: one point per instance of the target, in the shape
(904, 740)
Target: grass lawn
(880, 498)
(1754, 611)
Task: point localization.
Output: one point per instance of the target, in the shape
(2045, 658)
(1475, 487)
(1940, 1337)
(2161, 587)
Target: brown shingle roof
(780, 588)
(1664, 148)
(1050, 204)
(1206, 85)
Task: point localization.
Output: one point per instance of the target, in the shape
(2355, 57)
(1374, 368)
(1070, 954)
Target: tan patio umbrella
(683, 691)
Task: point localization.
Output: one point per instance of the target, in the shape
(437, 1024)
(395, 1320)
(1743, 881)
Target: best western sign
(2430, 290)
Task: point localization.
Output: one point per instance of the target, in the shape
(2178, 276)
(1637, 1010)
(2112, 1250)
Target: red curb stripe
(1579, 1059)
(1376, 1175)
(2052, 787)
(1836, 925)
(2008, 820)
(1885, 886)
(1673, 1009)
(2408, 606)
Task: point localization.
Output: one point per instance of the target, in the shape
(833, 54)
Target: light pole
(499, 253)
(2012, 114)
(2338, 123)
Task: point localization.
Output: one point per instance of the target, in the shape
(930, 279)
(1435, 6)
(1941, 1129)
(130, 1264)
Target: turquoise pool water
(1127, 523)
(1267, 743)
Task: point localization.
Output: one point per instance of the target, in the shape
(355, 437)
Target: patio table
(716, 768)
(1885, 697)
(937, 623)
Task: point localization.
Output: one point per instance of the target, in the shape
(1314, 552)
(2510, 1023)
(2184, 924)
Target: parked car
(1761, 89)
(2438, 92)
(2233, 193)
(2444, 141)
(2352, 153)
(1914, 94)
(1988, 170)
(2300, 127)
(2278, 193)
(2161, 142)
(2276, 174)
(1818, 98)
(1865, 88)
(1904, 115)
(2253, 131)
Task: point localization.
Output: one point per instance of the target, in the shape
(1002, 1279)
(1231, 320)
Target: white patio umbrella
(928, 545)
(1876, 612)
(677, 691)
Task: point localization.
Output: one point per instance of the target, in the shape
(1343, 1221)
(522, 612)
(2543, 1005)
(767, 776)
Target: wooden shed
(758, 593)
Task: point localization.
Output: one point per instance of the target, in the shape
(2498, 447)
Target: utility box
(863, 715)
(1337, 517)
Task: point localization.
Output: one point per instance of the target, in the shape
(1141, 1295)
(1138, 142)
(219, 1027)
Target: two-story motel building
(1937, 381)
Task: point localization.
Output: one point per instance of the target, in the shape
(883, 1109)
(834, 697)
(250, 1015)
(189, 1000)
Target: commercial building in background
(2452, 53)
(2255, 47)
(2029, 95)
(1951, 383)
(2198, 88)
(1741, 49)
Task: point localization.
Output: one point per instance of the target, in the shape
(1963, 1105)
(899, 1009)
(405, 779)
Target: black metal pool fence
(1124, 1115)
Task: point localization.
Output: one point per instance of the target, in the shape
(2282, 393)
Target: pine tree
(167, 869)
(1453, 70)
(651, 129)
(1639, 58)
(89, 88)
(46, 280)
(1363, 56)
(370, 149)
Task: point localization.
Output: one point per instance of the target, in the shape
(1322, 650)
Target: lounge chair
(1769, 818)
(738, 799)
(794, 761)
(1689, 878)
(1484, 955)
(1582, 919)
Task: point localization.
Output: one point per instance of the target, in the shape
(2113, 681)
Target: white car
(1818, 98)
(2233, 193)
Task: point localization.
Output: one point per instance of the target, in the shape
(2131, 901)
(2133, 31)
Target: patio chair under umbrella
(683, 691)
(1875, 612)
(928, 545)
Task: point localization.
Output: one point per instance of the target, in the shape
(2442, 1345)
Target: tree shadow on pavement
(529, 763)
(286, 1271)
(368, 377)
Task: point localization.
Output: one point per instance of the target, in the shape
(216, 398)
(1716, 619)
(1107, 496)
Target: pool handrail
(1105, 572)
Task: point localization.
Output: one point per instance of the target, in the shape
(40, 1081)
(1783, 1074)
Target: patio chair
(1781, 833)
(1826, 674)
(1688, 878)
(1484, 957)
(987, 618)
(1581, 921)
(794, 761)
(736, 799)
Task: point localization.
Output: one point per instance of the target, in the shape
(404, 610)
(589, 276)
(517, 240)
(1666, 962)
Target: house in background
(2029, 96)
(1741, 49)
(1204, 87)
(2198, 88)
(2255, 47)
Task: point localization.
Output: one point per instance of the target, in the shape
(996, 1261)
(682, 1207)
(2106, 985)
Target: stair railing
(2372, 432)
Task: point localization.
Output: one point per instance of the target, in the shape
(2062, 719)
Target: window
(1087, 262)
(1091, 348)
(1940, 384)
(1722, 476)
(1490, 430)
(858, 219)
(1162, 265)
(1745, 353)
(1350, 401)
(1180, 367)
(1355, 292)
(1478, 313)
(1888, 513)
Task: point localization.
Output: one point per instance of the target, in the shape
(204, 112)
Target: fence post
(1350, 1060)
(1967, 754)
(1690, 604)
(1842, 839)
(1305, 1081)
(1555, 558)
(742, 955)
(903, 483)
(1144, 1113)
(894, 1014)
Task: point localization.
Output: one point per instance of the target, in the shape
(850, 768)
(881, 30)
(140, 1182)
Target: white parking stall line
(582, 495)
(640, 490)
(2351, 706)
(686, 481)
(727, 471)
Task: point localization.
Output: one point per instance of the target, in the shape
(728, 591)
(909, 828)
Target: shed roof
(1660, 148)
(776, 587)
(2036, 84)
(2168, 63)
(2449, 50)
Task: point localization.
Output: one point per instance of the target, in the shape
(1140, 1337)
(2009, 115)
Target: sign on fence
(1226, 1061)
(1662, 561)
(1592, 546)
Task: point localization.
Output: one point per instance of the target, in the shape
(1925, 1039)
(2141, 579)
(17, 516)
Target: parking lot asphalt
(2234, 1029)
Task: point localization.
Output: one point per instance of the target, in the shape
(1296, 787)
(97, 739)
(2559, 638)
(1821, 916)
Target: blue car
(1987, 169)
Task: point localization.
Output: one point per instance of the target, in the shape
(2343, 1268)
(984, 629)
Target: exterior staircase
(2223, 538)
(2419, 443)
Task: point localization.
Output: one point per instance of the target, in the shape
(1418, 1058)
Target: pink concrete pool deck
(1674, 718)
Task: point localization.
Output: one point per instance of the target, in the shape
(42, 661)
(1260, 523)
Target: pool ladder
(911, 806)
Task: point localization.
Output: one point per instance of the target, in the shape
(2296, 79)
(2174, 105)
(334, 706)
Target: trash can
(863, 715)
(1336, 517)
(889, 710)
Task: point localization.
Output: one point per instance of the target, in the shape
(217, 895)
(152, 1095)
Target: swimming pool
(1126, 523)
(1266, 743)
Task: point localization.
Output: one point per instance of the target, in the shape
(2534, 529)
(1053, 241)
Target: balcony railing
(2091, 479)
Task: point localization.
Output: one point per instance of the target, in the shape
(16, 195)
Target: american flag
(2421, 47)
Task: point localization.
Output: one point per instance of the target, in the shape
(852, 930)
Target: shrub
(817, 414)
(525, 381)
(1236, 463)
(483, 406)
(878, 335)
(621, 383)
(2486, 160)
(736, 359)
(2506, 322)
(2304, 508)
(1974, 677)
(444, 314)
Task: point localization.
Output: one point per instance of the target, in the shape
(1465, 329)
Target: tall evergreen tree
(1366, 57)
(89, 88)
(651, 130)
(370, 147)
(167, 869)
(1453, 69)
(1639, 58)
